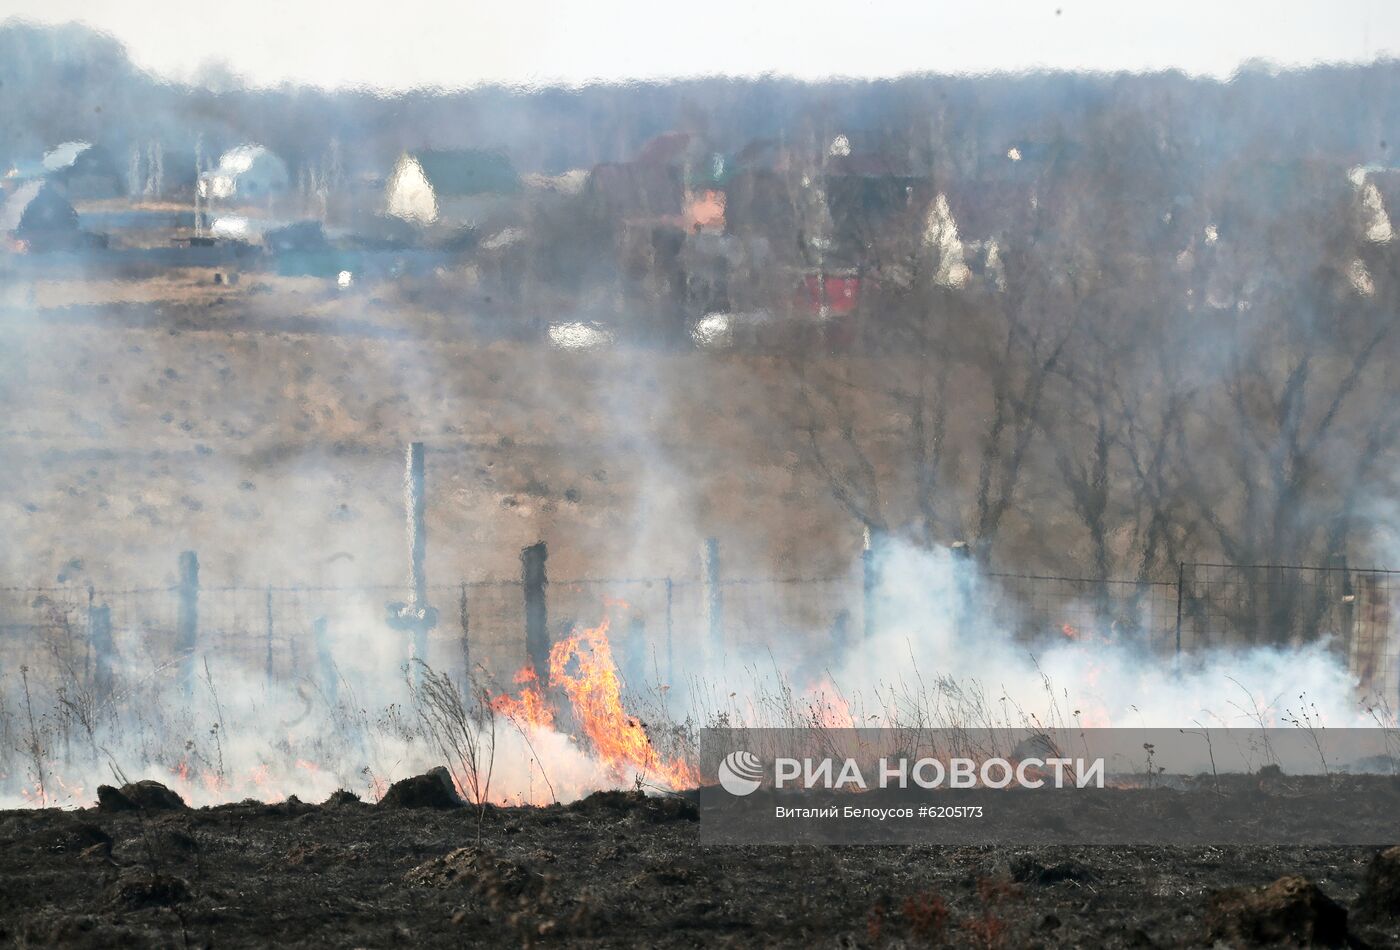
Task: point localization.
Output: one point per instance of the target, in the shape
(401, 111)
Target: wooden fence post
(714, 596)
(534, 581)
(187, 618)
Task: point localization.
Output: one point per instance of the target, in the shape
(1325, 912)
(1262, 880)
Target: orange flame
(827, 708)
(581, 666)
(530, 708)
(595, 693)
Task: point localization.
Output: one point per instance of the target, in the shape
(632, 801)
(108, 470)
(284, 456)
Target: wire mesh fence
(282, 633)
(1122, 612)
(1351, 610)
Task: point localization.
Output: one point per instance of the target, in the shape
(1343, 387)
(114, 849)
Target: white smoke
(938, 658)
(941, 656)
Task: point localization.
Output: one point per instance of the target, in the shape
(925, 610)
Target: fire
(581, 667)
(53, 792)
(529, 708)
(595, 694)
(828, 709)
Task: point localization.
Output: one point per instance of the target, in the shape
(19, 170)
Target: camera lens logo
(740, 773)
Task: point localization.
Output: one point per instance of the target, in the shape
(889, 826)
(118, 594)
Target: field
(277, 442)
(267, 422)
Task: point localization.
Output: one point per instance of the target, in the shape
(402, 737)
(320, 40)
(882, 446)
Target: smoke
(941, 657)
(355, 723)
(262, 425)
(936, 659)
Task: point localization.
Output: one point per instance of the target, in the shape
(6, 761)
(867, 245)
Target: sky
(414, 43)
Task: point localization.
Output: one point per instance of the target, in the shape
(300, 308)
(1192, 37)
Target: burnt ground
(613, 870)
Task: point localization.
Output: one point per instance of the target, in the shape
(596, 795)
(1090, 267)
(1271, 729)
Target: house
(297, 236)
(709, 261)
(38, 218)
(461, 188)
(833, 299)
(571, 182)
(83, 171)
(620, 192)
(674, 180)
(705, 196)
(17, 198)
(17, 174)
(247, 174)
(761, 201)
(762, 195)
(871, 199)
(1377, 197)
(178, 174)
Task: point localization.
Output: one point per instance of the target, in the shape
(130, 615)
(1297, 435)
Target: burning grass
(577, 726)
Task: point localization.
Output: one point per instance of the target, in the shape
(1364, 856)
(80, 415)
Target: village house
(464, 188)
(246, 174)
(83, 171)
(36, 217)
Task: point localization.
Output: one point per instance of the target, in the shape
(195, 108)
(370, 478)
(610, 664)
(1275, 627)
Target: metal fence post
(465, 620)
(415, 500)
(325, 661)
(1180, 581)
(269, 636)
(414, 616)
(100, 636)
(714, 595)
(534, 581)
(187, 618)
(670, 631)
(870, 585)
(634, 660)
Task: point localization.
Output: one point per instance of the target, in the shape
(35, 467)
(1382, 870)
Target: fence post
(670, 631)
(714, 595)
(634, 663)
(841, 632)
(325, 661)
(414, 616)
(1180, 581)
(416, 491)
(187, 618)
(269, 636)
(870, 585)
(100, 636)
(533, 580)
(465, 621)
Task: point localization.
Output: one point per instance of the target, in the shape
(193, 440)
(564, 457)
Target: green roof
(469, 172)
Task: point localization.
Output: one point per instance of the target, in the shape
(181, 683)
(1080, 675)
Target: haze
(418, 43)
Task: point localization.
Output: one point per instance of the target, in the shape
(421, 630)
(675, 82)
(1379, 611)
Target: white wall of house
(409, 194)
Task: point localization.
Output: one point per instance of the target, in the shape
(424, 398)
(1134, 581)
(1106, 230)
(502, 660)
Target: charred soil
(619, 869)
